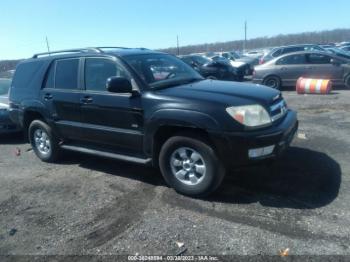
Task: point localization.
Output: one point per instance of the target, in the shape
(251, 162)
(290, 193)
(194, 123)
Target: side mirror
(118, 85)
(335, 62)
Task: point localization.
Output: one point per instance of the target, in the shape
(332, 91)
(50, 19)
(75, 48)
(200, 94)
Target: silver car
(285, 70)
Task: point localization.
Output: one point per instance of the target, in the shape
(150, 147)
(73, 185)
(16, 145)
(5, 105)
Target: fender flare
(176, 118)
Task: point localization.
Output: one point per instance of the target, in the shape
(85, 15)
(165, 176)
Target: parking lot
(91, 205)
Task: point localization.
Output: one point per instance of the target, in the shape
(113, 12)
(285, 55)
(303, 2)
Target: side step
(107, 154)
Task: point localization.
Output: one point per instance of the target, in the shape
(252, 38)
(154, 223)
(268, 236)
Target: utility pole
(245, 35)
(178, 46)
(47, 45)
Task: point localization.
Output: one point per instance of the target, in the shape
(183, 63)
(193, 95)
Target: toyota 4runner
(147, 107)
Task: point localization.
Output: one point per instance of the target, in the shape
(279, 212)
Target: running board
(107, 154)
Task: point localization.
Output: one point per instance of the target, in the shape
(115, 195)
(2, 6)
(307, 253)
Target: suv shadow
(303, 179)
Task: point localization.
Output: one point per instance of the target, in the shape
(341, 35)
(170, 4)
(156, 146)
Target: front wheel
(273, 82)
(43, 141)
(190, 166)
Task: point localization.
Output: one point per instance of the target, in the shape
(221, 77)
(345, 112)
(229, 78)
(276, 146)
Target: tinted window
(25, 73)
(291, 60)
(292, 49)
(187, 60)
(98, 70)
(319, 59)
(67, 74)
(161, 70)
(277, 53)
(201, 60)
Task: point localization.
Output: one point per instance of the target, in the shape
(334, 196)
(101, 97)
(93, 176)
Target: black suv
(147, 107)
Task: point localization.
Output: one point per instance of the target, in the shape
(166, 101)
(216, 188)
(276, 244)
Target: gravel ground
(90, 205)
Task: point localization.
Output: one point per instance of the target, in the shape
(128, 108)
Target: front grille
(278, 110)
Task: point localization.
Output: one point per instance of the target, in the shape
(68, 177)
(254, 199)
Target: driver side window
(98, 70)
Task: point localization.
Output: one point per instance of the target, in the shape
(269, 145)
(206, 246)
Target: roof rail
(78, 50)
(101, 48)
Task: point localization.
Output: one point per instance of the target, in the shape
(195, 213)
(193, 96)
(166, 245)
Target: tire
(273, 82)
(347, 81)
(210, 169)
(44, 143)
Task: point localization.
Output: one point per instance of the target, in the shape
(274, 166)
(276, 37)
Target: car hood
(224, 91)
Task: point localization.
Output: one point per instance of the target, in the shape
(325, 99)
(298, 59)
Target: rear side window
(25, 73)
(292, 49)
(66, 76)
(292, 60)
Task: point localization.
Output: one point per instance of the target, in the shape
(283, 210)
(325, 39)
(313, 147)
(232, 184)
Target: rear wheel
(347, 81)
(273, 82)
(43, 141)
(190, 166)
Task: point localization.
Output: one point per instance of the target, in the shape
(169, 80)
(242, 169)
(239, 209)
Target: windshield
(235, 55)
(161, 70)
(201, 60)
(4, 86)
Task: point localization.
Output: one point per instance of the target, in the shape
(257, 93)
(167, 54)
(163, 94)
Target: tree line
(320, 37)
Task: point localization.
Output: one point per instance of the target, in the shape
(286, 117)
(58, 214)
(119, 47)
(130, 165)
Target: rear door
(108, 118)
(322, 68)
(290, 68)
(61, 96)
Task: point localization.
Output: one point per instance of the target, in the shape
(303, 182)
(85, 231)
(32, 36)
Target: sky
(24, 24)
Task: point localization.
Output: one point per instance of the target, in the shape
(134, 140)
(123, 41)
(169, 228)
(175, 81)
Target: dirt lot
(90, 205)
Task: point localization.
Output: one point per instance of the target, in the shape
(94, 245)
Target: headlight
(251, 116)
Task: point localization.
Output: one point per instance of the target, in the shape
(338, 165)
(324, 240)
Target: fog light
(260, 152)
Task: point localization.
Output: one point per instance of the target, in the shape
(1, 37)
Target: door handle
(87, 100)
(48, 97)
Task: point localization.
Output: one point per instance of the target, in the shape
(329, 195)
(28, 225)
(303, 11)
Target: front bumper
(234, 148)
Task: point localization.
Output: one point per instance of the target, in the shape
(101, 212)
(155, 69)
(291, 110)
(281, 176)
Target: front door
(290, 68)
(108, 118)
(322, 68)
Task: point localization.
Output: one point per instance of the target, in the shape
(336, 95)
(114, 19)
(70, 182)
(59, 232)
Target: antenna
(178, 47)
(47, 45)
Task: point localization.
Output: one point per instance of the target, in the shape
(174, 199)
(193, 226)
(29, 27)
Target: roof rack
(102, 48)
(67, 51)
